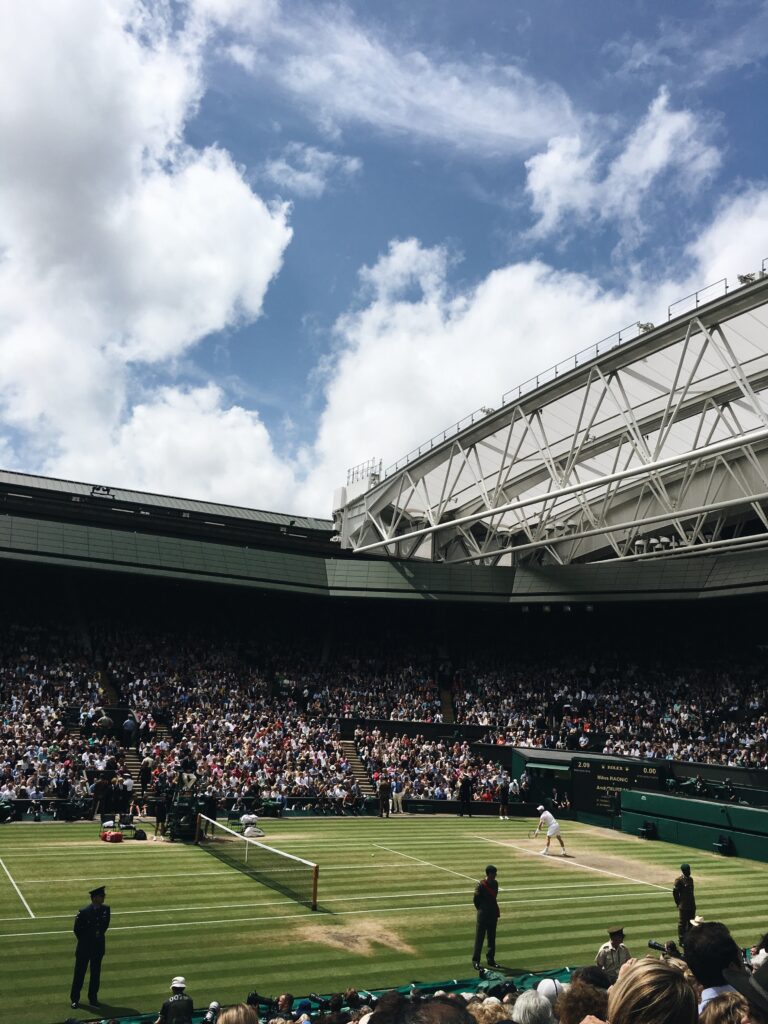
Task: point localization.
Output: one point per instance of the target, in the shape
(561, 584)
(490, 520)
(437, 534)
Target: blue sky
(247, 244)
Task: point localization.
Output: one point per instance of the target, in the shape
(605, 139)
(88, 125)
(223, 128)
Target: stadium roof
(29, 484)
(648, 446)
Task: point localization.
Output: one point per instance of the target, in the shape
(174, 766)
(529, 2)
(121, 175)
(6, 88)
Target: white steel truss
(658, 448)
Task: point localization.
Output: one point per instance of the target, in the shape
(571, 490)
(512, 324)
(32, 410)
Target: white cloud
(122, 247)
(346, 73)
(189, 442)
(724, 37)
(197, 250)
(307, 170)
(564, 181)
(408, 367)
(736, 242)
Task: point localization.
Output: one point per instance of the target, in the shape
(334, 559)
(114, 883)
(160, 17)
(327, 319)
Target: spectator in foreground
(532, 1008)
(729, 1008)
(490, 1011)
(581, 1000)
(592, 975)
(240, 1013)
(651, 992)
(551, 989)
(754, 988)
(709, 950)
(394, 1008)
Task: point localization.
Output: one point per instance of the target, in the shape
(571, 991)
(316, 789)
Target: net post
(198, 828)
(315, 873)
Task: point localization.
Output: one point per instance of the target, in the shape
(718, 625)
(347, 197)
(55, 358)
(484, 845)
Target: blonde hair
(490, 1013)
(727, 1008)
(651, 992)
(240, 1013)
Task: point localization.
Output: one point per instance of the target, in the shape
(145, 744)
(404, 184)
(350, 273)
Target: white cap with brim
(179, 982)
(540, 807)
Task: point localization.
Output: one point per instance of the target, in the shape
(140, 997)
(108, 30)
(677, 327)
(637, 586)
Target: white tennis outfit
(548, 820)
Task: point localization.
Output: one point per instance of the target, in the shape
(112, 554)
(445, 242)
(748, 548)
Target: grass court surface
(394, 906)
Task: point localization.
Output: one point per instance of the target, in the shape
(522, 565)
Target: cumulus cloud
(420, 355)
(306, 170)
(736, 241)
(189, 441)
(122, 246)
(571, 178)
(343, 73)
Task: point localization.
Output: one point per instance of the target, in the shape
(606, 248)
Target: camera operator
(669, 950)
(179, 1008)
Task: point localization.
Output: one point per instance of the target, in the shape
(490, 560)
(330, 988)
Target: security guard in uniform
(613, 954)
(90, 928)
(486, 901)
(685, 899)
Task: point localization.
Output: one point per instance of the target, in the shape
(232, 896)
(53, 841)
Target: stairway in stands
(358, 768)
(133, 761)
(446, 702)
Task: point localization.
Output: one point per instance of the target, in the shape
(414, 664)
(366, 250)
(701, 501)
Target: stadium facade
(637, 470)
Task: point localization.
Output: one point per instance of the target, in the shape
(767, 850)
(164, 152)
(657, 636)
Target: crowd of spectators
(434, 769)
(711, 983)
(694, 709)
(244, 726)
(45, 677)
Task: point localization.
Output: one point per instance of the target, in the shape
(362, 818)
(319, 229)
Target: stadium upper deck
(650, 448)
(596, 483)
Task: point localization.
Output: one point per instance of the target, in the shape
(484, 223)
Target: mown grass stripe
(225, 953)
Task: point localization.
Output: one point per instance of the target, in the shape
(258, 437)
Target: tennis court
(394, 905)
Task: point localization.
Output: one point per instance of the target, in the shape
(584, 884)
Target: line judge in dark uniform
(486, 901)
(685, 899)
(90, 929)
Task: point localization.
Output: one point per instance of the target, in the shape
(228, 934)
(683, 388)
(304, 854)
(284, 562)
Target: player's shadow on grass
(109, 1010)
(506, 969)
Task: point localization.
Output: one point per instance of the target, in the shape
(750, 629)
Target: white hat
(540, 807)
(550, 988)
(179, 982)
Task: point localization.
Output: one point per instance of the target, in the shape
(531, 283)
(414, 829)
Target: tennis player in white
(548, 822)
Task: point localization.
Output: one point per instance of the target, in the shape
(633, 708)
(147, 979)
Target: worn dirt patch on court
(626, 867)
(360, 938)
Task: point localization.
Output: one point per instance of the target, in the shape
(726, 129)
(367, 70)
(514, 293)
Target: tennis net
(292, 876)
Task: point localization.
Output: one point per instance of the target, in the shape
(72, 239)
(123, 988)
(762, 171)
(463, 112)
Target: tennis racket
(532, 833)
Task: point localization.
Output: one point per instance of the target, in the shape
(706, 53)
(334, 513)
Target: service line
(18, 890)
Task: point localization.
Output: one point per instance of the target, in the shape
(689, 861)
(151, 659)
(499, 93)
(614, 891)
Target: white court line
(114, 878)
(339, 899)
(307, 916)
(428, 864)
(573, 863)
(346, 867)
(18, 890)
